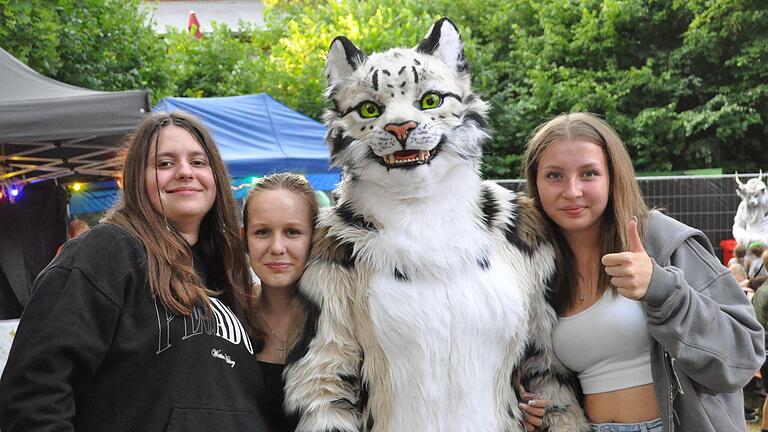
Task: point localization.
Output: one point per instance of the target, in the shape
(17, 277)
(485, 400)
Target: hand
(630, 271)
(534, 408)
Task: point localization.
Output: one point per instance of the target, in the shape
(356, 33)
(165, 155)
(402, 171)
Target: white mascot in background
(751, 221)
(430, 285)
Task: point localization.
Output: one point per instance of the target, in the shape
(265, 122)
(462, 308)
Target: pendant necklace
(281, 342)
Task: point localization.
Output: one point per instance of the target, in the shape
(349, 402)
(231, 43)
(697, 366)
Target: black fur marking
(355, 57)
(400, 72)
(510, 232)
(402, 93)
(400, 276)
(340, 142)
(343, 403)
(484, 262)
(429, 44)
(386, 72)
(390, 86)
(364, 394)
(461, 63)
(310, 329)
(477, 118)
(403, 83)
(550, 293)
(375, 80)
(347, 214)
(489, 206)
(392, 95)
(441, 116)
(452, 95)
(349, 379)
(369, 422)
(432, 118)
(468, 99)
(415, 75)
(416, 62)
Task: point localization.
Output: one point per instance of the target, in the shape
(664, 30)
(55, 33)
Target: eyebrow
(192, 154)
(586, 165)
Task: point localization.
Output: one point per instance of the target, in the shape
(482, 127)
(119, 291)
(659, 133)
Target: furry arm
(323, 386)
(541, 371)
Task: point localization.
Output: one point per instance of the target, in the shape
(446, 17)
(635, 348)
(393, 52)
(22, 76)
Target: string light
(14, 191)
(77, 186)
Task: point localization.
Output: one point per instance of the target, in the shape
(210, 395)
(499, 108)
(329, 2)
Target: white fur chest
(445, 321)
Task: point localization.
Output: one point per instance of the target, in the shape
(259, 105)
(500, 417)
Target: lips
(278, 266)
(573, 211)
(184, 191)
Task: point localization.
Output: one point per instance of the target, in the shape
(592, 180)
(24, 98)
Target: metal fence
(708, 203)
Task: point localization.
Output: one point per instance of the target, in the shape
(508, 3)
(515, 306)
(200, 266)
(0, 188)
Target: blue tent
(258, 135)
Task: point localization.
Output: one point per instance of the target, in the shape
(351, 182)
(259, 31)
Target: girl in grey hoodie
(657, 332)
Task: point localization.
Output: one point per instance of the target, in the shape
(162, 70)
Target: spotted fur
(431, 285)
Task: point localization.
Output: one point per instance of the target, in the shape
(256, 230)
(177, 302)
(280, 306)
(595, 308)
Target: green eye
(368, 109)
(431, 100)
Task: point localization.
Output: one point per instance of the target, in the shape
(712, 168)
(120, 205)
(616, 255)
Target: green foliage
(685, 82)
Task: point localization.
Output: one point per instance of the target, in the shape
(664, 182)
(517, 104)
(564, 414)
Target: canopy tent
(49, 129)
(258, 135)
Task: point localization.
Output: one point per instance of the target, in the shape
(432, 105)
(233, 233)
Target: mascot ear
(343, 59)
(444, 42)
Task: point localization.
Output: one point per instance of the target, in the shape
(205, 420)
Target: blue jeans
(651, 426)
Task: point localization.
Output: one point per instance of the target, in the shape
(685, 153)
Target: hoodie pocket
(200, 419)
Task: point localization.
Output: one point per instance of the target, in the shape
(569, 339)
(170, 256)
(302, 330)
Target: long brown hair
(624, 197)
(170, 268)
(299, 185)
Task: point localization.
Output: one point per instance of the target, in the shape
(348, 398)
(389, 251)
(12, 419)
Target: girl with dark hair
(656, 329)
(143, 323)
(278, 221)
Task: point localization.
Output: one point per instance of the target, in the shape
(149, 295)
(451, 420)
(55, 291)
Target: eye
(552, 175)
(199, 163)
(368, 109)
(590, 174)
(430, 100)
(261, 232)
(164, 164)
(293, 232)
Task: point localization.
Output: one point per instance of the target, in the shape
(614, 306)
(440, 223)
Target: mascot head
(753, 192)
(404, 117)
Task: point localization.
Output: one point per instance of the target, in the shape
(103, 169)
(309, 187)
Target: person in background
(657, 330)
(76, 227)
(760, 302)
(278, 222)
(739, 257)
(756, 266)
(143, 323)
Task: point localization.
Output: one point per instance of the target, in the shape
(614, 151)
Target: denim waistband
(650, 426)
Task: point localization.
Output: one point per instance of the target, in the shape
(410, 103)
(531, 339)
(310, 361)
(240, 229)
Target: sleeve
(62, 338)
(701, 317)
(323, 386)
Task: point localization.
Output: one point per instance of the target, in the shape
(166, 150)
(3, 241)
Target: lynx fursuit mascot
(429, 284)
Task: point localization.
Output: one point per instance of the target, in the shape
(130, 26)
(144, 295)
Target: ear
(343, 59)
(444, 42)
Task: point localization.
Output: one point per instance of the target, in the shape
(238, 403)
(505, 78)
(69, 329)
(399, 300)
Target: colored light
(2, 195)
(76, 187)
(254, 180)
(14, 191)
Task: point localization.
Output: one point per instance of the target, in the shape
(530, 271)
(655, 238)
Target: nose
(184, 170)
(277, 245)
(573, 188)
(401, 130)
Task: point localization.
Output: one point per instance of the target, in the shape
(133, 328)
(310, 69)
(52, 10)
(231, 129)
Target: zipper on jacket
(671, 407)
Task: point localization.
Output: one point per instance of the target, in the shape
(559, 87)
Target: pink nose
(400, 131)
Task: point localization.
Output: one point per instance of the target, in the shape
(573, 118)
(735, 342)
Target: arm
(322, 387)
(698, 313)
(64, 333)
(740, 225)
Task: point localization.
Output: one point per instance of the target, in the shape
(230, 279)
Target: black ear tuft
(343, 58)
(444, 41)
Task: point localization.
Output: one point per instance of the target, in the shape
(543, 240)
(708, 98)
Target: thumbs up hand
(630, 271)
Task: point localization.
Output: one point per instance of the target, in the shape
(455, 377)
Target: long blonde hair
(624, 197)
(299, 185)
(170, 269)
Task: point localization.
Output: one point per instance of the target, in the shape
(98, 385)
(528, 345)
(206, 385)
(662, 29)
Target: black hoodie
(95, 351)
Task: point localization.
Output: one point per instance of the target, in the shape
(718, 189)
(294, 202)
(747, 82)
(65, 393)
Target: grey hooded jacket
(707, 343)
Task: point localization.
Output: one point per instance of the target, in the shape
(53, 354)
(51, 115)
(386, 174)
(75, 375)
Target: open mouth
(404, 158)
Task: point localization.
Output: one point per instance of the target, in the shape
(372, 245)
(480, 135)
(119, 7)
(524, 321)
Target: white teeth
(423, 155)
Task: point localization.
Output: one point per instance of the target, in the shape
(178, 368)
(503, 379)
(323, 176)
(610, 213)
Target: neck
(277, 301)
(190, 232)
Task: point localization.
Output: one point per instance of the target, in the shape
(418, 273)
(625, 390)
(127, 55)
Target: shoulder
(664, 235)
(514, 215)
(105, 251)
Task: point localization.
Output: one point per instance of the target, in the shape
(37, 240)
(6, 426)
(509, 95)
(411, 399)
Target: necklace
(281, 342)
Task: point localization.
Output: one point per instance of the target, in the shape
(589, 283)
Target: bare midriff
(632, 405)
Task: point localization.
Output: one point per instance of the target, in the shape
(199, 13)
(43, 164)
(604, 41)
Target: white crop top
(607, 344)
